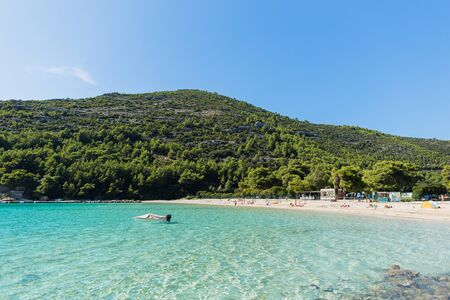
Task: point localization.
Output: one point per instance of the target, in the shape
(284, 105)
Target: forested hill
(171, 144)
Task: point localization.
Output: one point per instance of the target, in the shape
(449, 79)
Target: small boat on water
(154, 217)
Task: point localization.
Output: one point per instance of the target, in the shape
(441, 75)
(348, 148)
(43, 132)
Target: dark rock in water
(396, 272)
(402, 278)
(400, 283)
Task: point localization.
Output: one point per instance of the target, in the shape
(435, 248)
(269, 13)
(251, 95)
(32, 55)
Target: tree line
(79, 168)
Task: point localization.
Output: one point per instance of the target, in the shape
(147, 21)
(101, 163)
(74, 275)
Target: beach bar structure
(386, 196)
(327, 194)
(331, 195)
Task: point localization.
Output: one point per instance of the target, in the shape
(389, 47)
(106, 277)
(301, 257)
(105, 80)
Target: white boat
(154, 217)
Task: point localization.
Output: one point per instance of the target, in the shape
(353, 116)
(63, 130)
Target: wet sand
(405, 210)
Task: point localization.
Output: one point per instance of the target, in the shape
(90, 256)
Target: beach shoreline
(398, 210)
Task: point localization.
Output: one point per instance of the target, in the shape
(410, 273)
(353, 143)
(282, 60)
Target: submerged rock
(396, 272)
(401, 283)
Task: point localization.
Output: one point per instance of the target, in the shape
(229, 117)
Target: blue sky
(382, 64)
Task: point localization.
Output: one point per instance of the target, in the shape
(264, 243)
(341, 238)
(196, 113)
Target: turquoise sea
(91, 251)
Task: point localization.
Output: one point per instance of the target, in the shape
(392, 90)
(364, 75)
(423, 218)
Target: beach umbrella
(430, 204)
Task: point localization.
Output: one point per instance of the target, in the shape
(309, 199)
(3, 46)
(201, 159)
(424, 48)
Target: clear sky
(379, 64)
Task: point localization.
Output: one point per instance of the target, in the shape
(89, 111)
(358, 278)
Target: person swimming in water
(158, 217)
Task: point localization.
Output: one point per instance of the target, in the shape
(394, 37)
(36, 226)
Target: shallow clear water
(100, 251)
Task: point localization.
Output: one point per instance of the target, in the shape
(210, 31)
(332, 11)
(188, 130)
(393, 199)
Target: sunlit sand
(408, 210)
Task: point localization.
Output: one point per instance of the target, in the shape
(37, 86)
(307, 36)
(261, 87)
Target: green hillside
(173, 144)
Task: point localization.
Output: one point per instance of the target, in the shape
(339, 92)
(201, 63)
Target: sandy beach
(405, 210)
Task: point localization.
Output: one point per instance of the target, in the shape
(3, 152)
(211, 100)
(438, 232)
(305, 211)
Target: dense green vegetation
(187, 142)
